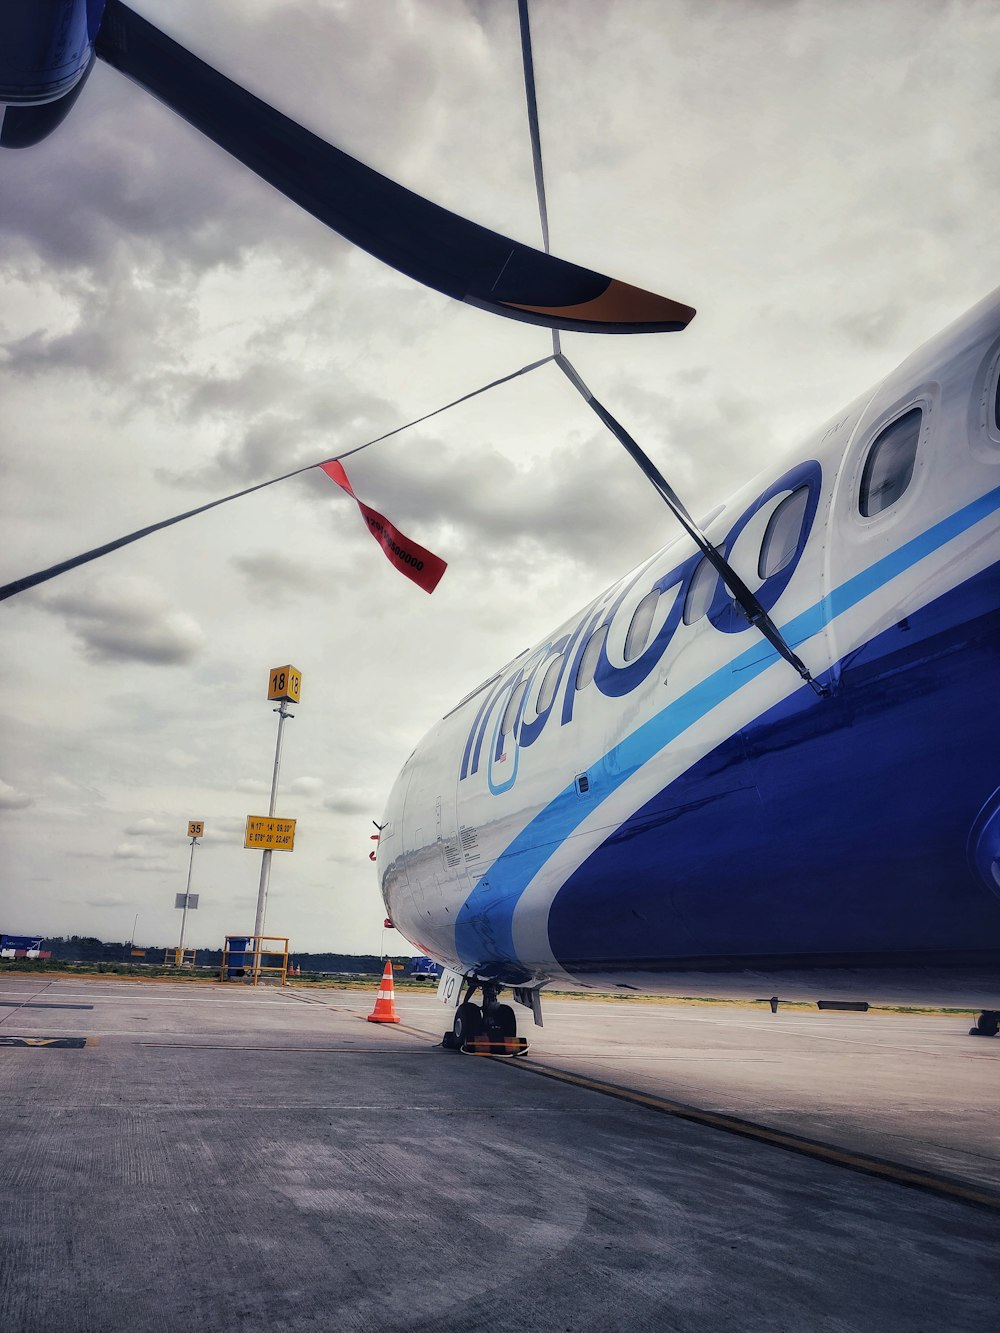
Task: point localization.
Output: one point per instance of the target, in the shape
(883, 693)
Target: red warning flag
(416, 562)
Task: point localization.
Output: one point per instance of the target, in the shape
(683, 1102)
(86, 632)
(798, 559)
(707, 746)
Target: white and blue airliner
(652, 799)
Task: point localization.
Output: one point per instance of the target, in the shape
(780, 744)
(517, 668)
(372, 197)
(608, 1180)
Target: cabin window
(549, 682)
(781, 537)
(642, 620)
(889, 466)
(510, 712)
(996, 407)
(591, 656)
(700, 592)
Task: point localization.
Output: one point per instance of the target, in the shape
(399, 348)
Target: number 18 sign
(285, 684)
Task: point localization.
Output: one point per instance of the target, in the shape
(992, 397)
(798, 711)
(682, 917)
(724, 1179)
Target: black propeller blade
(428, 243)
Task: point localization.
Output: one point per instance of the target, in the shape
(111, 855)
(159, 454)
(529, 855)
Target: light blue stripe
(497, 893)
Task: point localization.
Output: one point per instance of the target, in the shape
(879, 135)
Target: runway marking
(778, 1138)
(57, 1043)
(298, 1050)
(431, 1038)
(32, 996)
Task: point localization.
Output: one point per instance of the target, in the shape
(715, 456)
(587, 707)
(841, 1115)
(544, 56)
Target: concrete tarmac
(914, 1089)
(221, 1158)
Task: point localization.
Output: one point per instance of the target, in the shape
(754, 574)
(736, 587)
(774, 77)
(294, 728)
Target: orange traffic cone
(385, 1001)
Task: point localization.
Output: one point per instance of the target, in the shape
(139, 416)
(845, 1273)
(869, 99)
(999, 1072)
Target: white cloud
(135, 851)
(148, 828)
(107, 900)
(12, 799)
(347, 802)
(126, 620)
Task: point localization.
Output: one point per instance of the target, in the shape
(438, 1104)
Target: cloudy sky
(821, 181)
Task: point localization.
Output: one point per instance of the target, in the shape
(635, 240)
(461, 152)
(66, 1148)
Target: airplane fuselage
(651, 792)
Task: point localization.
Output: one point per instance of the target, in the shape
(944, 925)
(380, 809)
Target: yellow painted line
(777, 1138)
(432, 1038)
(299, 1050)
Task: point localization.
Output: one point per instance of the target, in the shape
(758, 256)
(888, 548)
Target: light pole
(284, 687)
(187, 900)
(265, 856)
(131, 940)
(196, 830)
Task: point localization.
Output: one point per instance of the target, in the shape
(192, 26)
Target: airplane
(651, 800)
(48, 49)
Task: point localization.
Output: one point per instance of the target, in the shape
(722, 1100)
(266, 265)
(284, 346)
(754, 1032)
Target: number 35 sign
(285, 684)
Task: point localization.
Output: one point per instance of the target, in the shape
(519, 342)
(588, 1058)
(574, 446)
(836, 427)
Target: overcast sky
(821, 181)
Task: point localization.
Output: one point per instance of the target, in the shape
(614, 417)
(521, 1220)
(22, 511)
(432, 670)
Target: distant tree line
(87, 949)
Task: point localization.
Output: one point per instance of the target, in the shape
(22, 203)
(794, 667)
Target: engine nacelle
(46, 53)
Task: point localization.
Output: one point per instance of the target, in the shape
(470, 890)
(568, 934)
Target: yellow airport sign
(269, 835)
(285, 684)
(196, 828)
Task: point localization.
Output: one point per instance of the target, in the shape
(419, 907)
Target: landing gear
(468, 1023)
(987, 1024)
(503, 1020)
(489, 1028)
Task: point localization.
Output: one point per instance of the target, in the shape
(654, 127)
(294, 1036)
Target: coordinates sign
(269, 835)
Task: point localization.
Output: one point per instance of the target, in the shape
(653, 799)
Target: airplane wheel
(468, 1023)
(987, 1024)
(503, 1020)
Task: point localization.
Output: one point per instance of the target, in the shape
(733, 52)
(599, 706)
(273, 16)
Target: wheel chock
(510, 1046)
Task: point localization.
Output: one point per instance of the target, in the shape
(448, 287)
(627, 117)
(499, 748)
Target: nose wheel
(489, 1028)
(468, 1024)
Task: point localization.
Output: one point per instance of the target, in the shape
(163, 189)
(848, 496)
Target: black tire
(468, 1023)
(503, 1020)
(987, 1024)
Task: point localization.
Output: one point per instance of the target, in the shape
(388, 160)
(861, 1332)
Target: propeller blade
(419, 238)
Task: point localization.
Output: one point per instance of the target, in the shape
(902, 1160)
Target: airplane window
(996, 407)
(510, 713)
(700, 592)
(549, 682)
(638, 630)
(591, 655)
(781, 537)
(889, 466)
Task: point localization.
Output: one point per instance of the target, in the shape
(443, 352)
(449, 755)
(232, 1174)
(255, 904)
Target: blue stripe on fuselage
(484, 926)
(842, 830)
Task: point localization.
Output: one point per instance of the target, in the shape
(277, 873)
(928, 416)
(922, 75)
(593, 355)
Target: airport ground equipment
(511, 1047)
(243, 958)
(385, 1001)
(179, 957)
